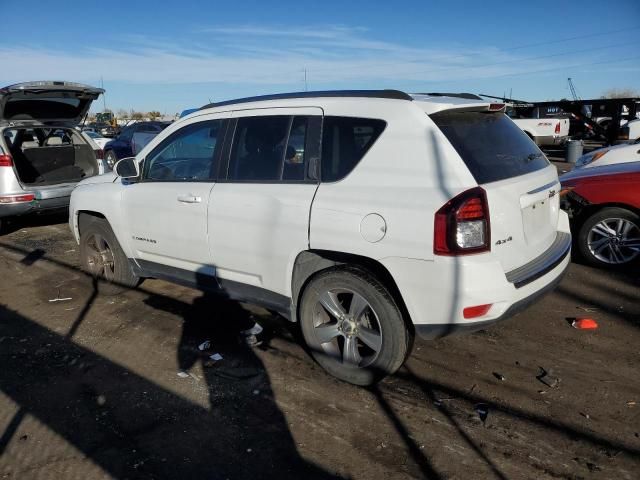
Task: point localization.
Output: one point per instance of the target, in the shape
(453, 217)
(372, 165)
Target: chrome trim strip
(544, 187)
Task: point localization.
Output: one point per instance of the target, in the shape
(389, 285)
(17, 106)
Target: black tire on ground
(102, 257)
(610, 216)
(380, 324)
(110, 158)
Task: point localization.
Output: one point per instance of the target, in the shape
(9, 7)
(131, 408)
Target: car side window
(258, 148)
(188, 155)
(345, 140)
(277, 148)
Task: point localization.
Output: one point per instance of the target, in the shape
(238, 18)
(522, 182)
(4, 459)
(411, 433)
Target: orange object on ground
(584, 324)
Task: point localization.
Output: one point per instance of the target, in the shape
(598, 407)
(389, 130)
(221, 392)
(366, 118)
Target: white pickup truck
(545, 126)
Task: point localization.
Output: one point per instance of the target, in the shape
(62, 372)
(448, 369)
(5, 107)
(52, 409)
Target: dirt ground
(89, 386)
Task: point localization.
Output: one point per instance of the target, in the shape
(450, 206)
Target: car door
(166, 211)
(259, 214)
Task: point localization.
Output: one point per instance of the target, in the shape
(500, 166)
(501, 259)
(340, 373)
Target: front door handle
(189, 199)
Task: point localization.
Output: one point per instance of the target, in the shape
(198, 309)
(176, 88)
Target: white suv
(367, 216)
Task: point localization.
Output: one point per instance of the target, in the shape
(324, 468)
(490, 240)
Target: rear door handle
(189, 199)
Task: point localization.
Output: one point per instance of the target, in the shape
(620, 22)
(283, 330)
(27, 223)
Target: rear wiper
(532, 156)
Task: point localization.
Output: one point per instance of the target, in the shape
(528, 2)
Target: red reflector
(28, 197)
(558, 127)
(472, 209)
(494, 107)
(6, 161)
(99, 154)
(477, 311)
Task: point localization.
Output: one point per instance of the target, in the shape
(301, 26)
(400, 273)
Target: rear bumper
(431, 332)
(437, 292)
(49, 205)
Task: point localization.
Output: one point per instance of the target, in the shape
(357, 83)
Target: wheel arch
(587, 211)
(309, 263)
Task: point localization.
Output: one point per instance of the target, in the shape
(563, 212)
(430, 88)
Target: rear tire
(610, 238)
(102, 257)
(352, 326)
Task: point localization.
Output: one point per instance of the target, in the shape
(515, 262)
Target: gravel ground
(93, 386)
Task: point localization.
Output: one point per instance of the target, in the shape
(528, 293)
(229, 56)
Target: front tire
(352, 326)
(102, 257)
(610, 238)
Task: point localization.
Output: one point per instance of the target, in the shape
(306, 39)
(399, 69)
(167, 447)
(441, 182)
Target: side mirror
(127, 168)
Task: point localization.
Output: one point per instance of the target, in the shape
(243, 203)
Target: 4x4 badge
(500, 242)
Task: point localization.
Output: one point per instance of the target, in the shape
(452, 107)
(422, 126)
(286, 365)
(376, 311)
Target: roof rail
(468, 96)
(390, 94)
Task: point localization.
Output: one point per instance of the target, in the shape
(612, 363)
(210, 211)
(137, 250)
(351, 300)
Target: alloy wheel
(346, 327)
(100, 258)
(614, 241)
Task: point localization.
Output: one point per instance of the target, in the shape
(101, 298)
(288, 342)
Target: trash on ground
(182, 374)
(58, 299)
(588, 309)
(256, 392)
(585, 415)
(631, 403)
(548, 379)
(499, 376)
(482, 409)
(584, 324)
(250, 335)
(216, 357)
(255, 330)
(204, 345)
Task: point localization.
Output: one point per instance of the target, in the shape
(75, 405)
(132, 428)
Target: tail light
(557, 128)
(28, 197)
(462, 226)
(6, 161)
(99, 154)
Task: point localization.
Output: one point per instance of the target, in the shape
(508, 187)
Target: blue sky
(174, 55)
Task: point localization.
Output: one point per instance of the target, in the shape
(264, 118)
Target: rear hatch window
(490, 144)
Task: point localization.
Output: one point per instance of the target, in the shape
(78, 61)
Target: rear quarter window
(490, 144)
(345, 140)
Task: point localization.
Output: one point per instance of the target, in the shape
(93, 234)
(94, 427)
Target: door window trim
(216, 158)
(314, 129)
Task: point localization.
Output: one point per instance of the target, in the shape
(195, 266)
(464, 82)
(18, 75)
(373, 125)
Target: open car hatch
(46, 102)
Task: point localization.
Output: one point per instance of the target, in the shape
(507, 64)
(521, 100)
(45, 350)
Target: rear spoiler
(486, 107)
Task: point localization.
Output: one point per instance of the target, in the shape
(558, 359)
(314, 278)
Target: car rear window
(490, 144)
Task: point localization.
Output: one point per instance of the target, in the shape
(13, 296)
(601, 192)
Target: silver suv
(42, 155)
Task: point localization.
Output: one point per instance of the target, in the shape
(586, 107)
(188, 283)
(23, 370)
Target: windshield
(490, 144)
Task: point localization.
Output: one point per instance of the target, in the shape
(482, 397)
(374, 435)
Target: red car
(604, 207)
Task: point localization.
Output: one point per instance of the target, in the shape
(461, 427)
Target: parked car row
(131, 140)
